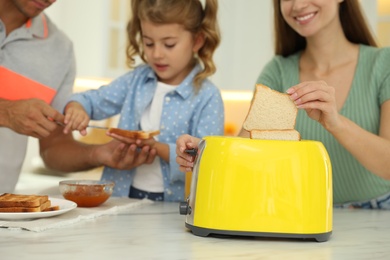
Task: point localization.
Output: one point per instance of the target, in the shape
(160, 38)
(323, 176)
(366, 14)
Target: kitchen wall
(245, 48)
(246, 38)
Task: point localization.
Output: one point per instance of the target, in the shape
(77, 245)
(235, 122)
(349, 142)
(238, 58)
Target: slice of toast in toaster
(285, 134)
(270, 110)
(271, 116)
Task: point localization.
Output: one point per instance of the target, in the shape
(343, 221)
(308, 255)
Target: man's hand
(32, 117)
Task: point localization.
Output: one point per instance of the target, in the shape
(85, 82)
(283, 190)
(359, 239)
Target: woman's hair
(355, 28)
(188, 13)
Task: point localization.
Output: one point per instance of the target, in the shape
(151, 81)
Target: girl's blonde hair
(355, 28)
(188, 13)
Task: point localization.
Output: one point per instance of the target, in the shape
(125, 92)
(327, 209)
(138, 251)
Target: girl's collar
(186, 87)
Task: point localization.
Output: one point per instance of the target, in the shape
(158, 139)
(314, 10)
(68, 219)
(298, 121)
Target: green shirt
(370, 88)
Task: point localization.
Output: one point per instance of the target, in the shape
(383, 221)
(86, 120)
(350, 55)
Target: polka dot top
(184, 111)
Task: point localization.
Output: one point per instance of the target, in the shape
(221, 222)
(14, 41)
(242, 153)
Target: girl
(176, 39)
(344, 94)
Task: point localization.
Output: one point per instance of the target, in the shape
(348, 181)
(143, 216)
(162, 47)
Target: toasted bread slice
(270, 110)
(285, 134)
(42, 207)
(134, 134)
(52, 208)
(19, 200)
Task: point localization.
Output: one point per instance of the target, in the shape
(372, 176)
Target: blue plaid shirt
(184, 112)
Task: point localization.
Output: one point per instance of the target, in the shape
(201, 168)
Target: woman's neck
(328, 49)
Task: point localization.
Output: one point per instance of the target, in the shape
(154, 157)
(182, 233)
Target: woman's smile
(306, 18)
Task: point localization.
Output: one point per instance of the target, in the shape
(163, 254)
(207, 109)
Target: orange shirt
(16, 87)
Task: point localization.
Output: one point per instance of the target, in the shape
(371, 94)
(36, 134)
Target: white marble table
(157, 231)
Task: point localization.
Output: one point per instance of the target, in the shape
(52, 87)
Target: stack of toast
(25, 203)
(271, 116)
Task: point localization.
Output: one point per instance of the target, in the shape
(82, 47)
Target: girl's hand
(186, 161)
(75, 118)
(123, 156)
(318, 100)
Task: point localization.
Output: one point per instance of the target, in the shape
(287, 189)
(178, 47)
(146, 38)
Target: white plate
(65, 206)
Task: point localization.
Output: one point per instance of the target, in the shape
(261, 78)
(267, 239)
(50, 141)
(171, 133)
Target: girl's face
(309, 17)
(169, 50)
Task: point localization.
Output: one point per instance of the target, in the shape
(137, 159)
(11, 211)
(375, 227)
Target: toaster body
(264, 188)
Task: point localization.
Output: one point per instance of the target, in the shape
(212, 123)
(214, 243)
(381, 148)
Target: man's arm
(62, 152)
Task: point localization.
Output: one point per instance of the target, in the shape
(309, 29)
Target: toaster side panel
(264, 186)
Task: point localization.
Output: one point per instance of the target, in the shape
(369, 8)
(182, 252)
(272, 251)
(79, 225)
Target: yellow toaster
(264, 188)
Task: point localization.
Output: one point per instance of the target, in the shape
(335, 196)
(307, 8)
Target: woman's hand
(318, 100)
(185, 160)
(75, 118)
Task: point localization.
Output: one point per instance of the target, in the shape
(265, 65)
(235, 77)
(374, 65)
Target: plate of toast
(20, 206)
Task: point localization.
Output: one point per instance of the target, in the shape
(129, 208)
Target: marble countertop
(157, 231)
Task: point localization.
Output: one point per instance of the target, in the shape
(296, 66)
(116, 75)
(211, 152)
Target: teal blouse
(370, 89)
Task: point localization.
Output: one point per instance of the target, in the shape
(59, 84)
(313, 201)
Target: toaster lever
(183, 208)
(192, 151)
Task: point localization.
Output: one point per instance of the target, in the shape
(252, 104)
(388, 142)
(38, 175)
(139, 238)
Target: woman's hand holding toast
(317, 98)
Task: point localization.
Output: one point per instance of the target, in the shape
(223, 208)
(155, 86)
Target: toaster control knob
(183, 207)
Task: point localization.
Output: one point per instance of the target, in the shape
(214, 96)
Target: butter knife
(98, 127)
(89, 126)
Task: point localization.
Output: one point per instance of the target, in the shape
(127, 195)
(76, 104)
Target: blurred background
(98, 31)
(97, 28)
